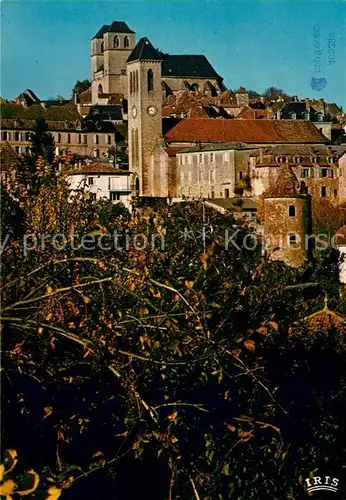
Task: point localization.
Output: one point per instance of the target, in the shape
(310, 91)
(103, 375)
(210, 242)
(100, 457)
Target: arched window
(102, 47)
(137, 184)
(100, 89)
(131, 82)
(136, 146)
(136, 81)
(150, 80)
(116, 41)
(126, 42)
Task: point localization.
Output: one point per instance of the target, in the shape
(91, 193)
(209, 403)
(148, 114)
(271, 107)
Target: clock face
(152, 110)
(134, 111)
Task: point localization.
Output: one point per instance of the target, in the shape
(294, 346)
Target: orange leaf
(249, 345)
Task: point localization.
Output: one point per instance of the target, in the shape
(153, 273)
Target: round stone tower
(287, 220)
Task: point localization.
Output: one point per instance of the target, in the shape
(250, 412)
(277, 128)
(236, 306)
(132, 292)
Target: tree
(273, 94)
(253, 94)
(81, 86)
(173, 364)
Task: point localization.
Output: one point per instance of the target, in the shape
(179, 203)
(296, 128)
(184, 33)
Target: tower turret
(287, 219)
(144, 111)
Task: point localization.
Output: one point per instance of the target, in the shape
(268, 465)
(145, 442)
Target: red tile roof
(248, 131)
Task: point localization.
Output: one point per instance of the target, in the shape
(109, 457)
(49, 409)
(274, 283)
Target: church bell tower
(144, 112)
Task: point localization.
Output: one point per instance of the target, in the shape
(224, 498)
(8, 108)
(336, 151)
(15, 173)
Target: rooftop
(144, 51)
(99, 168)
(286, 184)
(249, 131)
(115, 27)
(187, 66)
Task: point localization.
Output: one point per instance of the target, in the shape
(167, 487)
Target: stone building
(317, 166)
(214, 170)
(112, 46)
(92, 137)
(287, 220)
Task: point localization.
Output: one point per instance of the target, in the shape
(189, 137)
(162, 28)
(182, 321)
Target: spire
(144, 51)
(286, 184)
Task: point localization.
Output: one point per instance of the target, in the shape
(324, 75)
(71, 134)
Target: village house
(102, 181)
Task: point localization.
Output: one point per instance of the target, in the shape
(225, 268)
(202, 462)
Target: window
(212, 194)
(92, 196)
(297, 159)
(116, 42)
(79, 139)
(59, 138)
(17, 149)
(211, 157)
(292, 240)
(324, 172)
(16, 136)
(331, 159)
(68, 138)
(102, 47)
(113, 196)
(85, 139)
(305, 172)
(4, 136)
(108, 139)
(323, 192)
(292, 211)
(136, 81)
(90, 181)
(123, 71)
(126, 42)
(96, 153)
(240, 175)
(100, 89)
(150, 80)
(335, 193)
(226, 193)
(96, 139)
(200, 158)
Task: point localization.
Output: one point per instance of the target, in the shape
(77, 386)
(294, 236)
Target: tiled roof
(248, 113)
(185, 66)
(115, 27)
(286, 184)
(98, 168)
(144, 51)
(249, 131)
(66, 112)
(325, 320)
(85, 97)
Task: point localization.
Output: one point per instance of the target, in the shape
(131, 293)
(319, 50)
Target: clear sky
(256, 44)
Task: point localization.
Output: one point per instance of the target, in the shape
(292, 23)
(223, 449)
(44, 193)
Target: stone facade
(109, 53)
(144, 120)
(287, 223)
(211, 173)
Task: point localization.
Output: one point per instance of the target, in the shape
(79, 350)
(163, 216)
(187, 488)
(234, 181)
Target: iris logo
(322, 483)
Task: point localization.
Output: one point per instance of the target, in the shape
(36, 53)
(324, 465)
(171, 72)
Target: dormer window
(282, 159)
(126, 42)
(314, 159)
(297, 159)
(116, 42)
(331, 160)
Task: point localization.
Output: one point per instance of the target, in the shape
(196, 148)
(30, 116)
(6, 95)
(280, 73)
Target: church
(114, 46)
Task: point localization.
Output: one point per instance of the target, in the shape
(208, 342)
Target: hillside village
(204, 357)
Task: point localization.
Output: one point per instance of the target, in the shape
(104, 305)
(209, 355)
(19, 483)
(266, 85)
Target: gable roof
(248, 131)
(185, 66)
(144, 51)
(98, 168)
(115, 27)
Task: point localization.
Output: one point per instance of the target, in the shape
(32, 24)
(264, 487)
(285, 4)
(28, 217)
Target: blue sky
(45, 45)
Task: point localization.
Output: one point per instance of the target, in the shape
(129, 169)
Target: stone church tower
(144, 93)
(287, 220)
(110, 48)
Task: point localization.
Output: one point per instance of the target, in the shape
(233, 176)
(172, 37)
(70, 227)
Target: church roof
(286, 184)
(115, 27)
(144, 51)
(187, 66)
